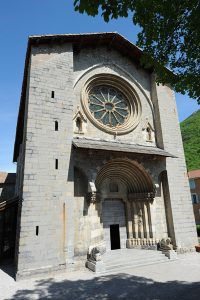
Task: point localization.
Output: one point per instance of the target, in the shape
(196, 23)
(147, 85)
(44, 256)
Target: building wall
(196, 206)
(47, 207)
(88, 63)
(56, 220)
(91, 62)
(169, 138)
(8, 214)
(92, 213)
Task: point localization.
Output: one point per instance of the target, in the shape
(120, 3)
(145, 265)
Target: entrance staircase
(119, 260)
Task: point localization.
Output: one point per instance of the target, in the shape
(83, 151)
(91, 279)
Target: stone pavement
(174, 280)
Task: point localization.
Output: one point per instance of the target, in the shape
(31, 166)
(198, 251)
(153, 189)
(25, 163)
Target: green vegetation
(190, 129)
(169, 36)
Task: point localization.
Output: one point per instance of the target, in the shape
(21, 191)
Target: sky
(18, 20)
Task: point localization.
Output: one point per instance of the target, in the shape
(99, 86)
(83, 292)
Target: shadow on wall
(81, 188)
(121, 286)
(7, 186)
(7, 266)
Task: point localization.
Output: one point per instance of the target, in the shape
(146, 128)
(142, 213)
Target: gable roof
(194, 174)
(112, 40)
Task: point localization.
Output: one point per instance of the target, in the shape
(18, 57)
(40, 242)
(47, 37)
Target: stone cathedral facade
(99, 154)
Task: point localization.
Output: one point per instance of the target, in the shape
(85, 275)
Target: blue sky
(18, 20)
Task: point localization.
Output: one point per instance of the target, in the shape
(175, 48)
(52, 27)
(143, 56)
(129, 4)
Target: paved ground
(174, 280)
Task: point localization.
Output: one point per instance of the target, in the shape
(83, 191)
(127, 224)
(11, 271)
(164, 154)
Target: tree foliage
(169, 36)
(190, 129)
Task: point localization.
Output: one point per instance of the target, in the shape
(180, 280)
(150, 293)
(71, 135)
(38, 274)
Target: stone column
(140, 221)
(146, 219)
(135, 220)
(129, 220)
(129, 225)
(151, 214)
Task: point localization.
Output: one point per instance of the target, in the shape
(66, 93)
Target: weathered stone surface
(55, 179)
(118, 146)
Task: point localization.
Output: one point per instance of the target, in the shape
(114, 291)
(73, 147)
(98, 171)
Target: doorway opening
(114, 237)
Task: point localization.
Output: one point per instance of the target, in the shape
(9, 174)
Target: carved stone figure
(92, 193)
(165, 244)
(93, 197)
(96, 254)
(140, 221)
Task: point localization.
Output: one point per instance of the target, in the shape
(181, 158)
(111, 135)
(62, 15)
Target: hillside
(190, 129)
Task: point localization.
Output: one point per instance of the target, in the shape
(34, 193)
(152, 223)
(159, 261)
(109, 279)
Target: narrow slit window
(56, 125)
(52, 94)
(56, 164)
(37, 230)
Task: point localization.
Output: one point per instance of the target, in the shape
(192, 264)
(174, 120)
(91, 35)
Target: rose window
(111, 104)
(108, 105)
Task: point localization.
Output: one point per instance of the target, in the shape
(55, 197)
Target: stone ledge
(95, 266)
(48, 271)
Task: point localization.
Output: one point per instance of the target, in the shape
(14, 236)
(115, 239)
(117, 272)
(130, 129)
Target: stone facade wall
(160, 215)
(171, 141)
(196, 207)
(82, 160)
(47, 233)
(82, 235)
(91, 62)
(57, 222)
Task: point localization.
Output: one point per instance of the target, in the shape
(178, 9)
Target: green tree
(169, 36)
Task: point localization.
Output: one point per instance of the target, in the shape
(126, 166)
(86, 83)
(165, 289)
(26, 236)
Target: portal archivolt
(136, 179)
(127, 180)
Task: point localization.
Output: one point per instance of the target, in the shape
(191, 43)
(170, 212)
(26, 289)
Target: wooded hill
(190, 129)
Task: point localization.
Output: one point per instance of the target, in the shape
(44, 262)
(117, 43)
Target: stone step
(116, 261)
(131, 255)
(130, 251)
(135, 262)
(122, 259)
(108, 258)
(120, 269)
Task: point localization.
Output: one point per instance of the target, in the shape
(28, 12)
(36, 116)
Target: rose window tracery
(108, 105)
(111, 104)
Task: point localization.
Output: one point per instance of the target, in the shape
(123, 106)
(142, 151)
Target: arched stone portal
(126, 194)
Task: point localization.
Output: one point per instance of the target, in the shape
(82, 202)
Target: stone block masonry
(47, 191)
(176, 173)
(81, 182)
